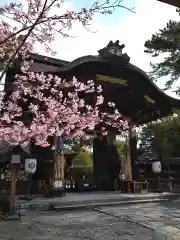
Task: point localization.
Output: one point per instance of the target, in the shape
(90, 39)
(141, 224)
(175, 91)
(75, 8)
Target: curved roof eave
(48, 60)
(65, 65)
(175, 3)
(94, 58)
(145, 75)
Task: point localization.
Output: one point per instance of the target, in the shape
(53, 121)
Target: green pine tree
(161, 137)
(166, 43)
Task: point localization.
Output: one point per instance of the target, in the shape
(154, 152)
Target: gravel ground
(126, 223)
(72, 226)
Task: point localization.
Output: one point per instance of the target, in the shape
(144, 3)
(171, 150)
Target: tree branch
(23, 41)
(95, 8)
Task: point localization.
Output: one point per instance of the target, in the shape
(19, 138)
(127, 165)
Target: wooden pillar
(100, 162)
(29, 185)
(59, 163)
(126, 168)
(113, 160)
(133, 151)
(14, 173)
(106, 161)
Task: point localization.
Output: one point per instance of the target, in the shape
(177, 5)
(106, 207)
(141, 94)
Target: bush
(4, 205)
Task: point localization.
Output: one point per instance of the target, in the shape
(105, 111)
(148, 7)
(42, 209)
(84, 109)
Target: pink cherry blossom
(45, 105)
(44, 19)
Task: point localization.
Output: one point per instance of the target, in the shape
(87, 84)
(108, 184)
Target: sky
(132, 29)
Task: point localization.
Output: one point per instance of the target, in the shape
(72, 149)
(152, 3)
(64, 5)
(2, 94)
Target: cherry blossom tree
(38, 21)
(40, 106)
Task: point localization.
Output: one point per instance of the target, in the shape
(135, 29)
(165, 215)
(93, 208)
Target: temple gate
(138, 99)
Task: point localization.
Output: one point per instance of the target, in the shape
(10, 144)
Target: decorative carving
(150, 100)
(113, 50)
(112, 80)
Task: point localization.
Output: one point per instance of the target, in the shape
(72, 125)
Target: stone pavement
(162, 218)
(150, 221)
(79, 201)
(72, 226)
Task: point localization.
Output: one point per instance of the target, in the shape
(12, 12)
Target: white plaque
(58, 184)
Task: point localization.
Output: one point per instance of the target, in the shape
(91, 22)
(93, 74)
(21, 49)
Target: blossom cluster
(42, 105)
(8, 47)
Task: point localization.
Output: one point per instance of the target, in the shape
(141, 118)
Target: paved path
(161, 217)
(74, 199)
(142, 222)
(87, 196)
(72, 226)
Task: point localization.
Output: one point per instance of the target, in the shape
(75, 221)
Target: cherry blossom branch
(96, 8)
(22, 43)
(40, 106)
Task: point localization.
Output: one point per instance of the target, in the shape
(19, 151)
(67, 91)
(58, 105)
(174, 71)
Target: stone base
(26, 198)
(59, 192)
(14, 217)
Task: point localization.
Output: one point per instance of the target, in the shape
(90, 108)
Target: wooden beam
(175, 3)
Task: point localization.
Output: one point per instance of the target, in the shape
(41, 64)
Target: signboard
(30, 165)
(58, 184)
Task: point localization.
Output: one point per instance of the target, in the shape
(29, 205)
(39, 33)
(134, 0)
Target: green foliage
(120, 145)
(83, 159)
(162, 137)
(82, 164)
(166, 41)
(76, 145)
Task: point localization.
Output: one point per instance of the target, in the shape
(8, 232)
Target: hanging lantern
(30, 165)
(156, 166)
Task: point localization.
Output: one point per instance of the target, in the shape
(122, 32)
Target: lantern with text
(30, 165)
(156, 166)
